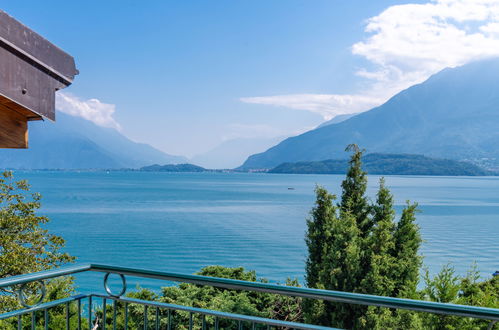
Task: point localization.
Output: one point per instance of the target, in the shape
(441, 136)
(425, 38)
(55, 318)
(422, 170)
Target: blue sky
(184, 76)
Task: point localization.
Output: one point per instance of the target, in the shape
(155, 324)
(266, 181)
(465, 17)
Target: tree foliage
(225, 300)
(447, 287)
(27, 247)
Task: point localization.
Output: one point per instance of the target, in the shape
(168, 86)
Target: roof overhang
(31, 71)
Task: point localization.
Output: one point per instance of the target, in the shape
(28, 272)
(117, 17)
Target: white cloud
(94, 110)
(407, 44)
(326, 105)
(410, 42)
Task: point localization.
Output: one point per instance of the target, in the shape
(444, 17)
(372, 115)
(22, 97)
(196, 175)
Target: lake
(180, 222)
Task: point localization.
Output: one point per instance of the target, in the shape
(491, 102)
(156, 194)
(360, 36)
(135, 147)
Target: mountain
(75, 143)
(386, 164)
(173, 168)
(232, 153)
(454, 114)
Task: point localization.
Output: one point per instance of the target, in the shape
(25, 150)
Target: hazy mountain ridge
(75, 143)
(454, 114)
(232, 153)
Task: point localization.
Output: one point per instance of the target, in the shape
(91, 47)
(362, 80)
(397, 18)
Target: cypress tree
(333, 260)
(353, 198)
(320, 225)
(407, 243)
(379, 278)
(394, 265)
(341, 269)
(357, 246)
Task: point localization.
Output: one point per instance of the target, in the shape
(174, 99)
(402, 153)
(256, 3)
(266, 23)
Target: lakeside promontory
(173, 168)
(374, 163)
(387, 164)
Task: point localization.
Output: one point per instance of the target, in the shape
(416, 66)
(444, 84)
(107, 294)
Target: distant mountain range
(232, 153)
(454, 115)
(386, 164)
(75, 143)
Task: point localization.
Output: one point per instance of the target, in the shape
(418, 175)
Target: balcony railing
(79, 309)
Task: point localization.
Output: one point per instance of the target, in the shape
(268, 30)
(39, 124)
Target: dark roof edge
(36, 49)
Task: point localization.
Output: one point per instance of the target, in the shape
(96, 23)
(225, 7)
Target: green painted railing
(241, 320)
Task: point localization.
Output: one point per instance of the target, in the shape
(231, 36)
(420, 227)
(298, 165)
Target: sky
(184, 76)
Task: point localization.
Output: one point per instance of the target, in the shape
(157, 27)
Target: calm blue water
(180, 222)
